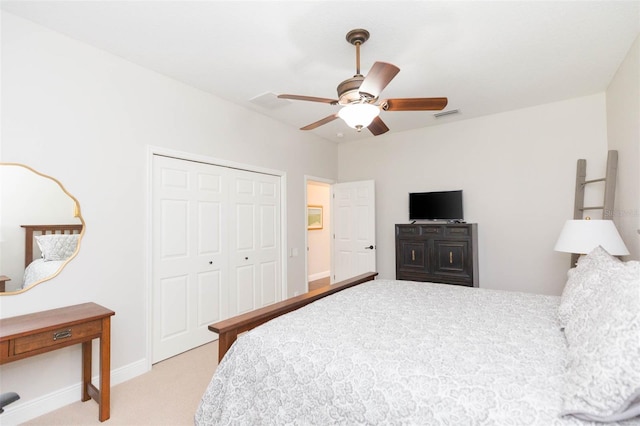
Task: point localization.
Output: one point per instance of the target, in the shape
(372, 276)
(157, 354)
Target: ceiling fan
(359, 95)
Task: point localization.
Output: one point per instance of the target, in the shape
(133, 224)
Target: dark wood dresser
(32, 334)
(439, 253)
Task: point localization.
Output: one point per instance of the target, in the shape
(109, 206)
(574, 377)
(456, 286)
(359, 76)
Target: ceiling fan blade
(414, 104)
(309, 98)
(379, 76)
(320, 122)
(377, 127)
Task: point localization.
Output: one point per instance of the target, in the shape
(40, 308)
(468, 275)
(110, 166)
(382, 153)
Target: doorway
(319, 225)
(343, 242)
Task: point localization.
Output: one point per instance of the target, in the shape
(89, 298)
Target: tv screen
(441, 205)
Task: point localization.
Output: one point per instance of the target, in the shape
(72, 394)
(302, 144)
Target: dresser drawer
(407, 230)
(457, 231)
(430, 230)
(56, 337)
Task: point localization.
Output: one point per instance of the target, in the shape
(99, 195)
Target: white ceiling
(486, 57)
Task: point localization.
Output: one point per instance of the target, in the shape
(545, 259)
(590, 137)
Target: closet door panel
(245, 289)
(174, 242)
(188, 257)
(269, 283)
(269, 230)
(209, 224)
(174, 306)
(209, 297)
(245, 224)
(257, 242)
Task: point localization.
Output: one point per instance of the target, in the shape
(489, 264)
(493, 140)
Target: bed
(47, 248)
(402, 352)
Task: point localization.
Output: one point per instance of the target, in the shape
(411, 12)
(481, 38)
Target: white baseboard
(319, 275)
(17, 412)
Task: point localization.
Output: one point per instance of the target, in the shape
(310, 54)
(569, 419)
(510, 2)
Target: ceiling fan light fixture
(359, 115)
(359, 95)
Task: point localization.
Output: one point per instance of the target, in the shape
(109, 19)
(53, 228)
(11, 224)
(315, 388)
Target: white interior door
(255, 274)
(354, 222)
(189, 257)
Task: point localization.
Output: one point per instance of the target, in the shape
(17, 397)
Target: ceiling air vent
(269, 100)
(443, 113)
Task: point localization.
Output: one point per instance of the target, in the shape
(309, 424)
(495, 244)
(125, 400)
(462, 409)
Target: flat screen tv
(440, 205)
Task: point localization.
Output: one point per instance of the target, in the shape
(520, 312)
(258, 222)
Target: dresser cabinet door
(412, 256)
(452, 259)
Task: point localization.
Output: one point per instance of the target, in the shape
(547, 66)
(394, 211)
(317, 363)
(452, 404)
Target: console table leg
(86, 370)
(105, 370)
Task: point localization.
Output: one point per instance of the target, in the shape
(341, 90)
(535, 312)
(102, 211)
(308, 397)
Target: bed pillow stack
(600, 313)
(57, 246)
(584, 282)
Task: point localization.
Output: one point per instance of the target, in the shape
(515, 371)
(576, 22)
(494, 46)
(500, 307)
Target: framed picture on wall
(314, 217)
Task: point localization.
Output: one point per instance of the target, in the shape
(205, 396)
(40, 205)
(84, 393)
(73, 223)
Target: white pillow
(57, 246)
(603, 369)
(584, 281)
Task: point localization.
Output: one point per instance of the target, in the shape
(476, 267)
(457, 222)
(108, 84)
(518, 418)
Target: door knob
(369, 248)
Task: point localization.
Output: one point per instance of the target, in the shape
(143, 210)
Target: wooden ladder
(609, 190)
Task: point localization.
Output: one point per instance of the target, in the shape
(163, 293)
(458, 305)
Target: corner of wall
(623, 134)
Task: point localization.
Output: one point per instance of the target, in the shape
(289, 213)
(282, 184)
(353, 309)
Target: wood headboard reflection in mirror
(32, 254)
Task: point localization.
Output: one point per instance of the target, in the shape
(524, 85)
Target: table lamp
(582, 236)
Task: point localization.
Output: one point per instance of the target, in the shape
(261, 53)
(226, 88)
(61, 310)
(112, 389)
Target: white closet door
(190, 254)
(255, 274)
(216, 249)
(354, 225)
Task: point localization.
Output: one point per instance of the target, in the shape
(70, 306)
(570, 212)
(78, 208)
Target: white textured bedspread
(40, 269)
(398, 352)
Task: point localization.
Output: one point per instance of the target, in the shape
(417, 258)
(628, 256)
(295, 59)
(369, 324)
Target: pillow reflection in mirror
(57, 246)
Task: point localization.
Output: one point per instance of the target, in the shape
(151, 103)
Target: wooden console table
(32, 334)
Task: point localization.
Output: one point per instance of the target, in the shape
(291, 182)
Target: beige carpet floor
(167, 395)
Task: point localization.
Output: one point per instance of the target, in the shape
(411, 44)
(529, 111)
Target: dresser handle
(62, 334)
(450, 257)
(413, 255)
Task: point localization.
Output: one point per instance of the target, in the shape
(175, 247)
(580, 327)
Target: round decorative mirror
(40, 228)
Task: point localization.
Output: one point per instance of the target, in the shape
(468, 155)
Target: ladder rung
(594, 180)
(592, 208)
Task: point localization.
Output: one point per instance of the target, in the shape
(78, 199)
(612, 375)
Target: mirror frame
(77, 213)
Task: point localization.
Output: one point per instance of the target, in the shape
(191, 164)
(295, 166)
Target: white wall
(623, 128)
(517, 170)
(319, 240)
(87, 118)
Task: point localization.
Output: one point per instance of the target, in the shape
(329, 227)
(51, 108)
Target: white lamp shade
(359, 115)
(582, 236)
